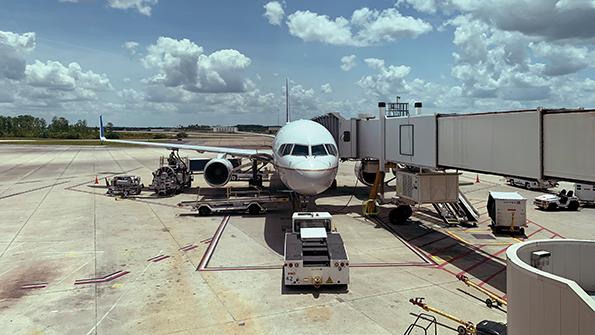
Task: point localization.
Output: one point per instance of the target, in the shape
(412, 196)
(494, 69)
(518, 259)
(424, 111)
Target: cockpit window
(281, 148)
(330, 148)
(286, 149)
(300, 150)
(318, 150)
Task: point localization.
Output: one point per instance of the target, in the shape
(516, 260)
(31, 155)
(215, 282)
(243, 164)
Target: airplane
(303, 152)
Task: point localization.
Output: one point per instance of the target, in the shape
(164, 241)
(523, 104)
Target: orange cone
(96, 180)
(477, 179)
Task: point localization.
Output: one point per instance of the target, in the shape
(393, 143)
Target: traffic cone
(96, 180)
(477, 179)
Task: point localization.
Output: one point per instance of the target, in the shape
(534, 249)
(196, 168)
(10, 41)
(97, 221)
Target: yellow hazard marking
(329, 280)
(457, 237)
(117, 285)
(437, 259)
(517, 239)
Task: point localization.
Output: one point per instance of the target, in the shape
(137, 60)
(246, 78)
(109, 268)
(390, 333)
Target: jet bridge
(532, 144)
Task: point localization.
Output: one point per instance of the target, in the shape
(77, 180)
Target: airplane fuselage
(306, 157)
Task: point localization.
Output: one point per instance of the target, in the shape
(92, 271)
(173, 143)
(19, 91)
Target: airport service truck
(314, 252)
(532, 184)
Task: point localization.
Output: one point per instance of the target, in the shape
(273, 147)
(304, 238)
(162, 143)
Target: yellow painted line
(438, 259)
(457, 237)
(518, 240)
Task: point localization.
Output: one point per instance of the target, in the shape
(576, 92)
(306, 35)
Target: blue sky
(225, 62)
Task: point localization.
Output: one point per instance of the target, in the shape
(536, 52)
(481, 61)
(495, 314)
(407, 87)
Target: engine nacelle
(365, 170)
(218, 172)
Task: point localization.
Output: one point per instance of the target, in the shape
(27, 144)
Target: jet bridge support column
(369, 207)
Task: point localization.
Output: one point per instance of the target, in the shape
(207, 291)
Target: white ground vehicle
(314, 252)
(532, 184)
(561, 200)
(585, 193)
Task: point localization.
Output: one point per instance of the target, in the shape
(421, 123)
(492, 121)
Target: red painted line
(243, 268)
(434, 241)
(34, 286)
(276, 267)
(103, 279)
(160, 258)
(547, 229)
(188, 248)
(535, 232)
(488, 279)
(206, 257)
(388, 265)
(461, 255)
(449, 271)
(209, 240)
(490, 256)
(153, 258)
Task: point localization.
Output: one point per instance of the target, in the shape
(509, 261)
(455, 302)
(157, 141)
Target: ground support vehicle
(314, 252)
(562, 200)
(124, 186)
(251, 201)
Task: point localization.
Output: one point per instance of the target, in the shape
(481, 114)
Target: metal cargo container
(428, 188)
(508, 210)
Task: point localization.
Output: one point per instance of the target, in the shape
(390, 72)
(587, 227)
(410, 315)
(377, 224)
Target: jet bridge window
(406, 139)
(287, 149)
(300, 150)
(318, 150)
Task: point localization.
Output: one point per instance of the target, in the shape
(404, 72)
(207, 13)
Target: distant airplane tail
(101, 131)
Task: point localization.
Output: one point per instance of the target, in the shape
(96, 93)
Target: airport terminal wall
(554, 301)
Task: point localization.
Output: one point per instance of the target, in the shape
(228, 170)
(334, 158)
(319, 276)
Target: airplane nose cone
(313, 177)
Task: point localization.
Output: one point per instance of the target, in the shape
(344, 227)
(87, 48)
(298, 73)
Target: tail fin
(101, 131)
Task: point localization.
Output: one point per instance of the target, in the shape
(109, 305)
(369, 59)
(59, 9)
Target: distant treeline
(253, 128)
(59, 127)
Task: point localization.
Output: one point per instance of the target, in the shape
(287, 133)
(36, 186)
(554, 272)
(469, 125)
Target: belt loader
(314, 252)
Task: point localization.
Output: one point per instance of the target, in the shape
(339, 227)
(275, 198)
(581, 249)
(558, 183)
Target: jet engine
(365, 170)
(218, 172)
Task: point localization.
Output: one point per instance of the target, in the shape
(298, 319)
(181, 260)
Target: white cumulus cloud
(326, 88)
(366, 27)
(131, 47)
(274, 12)
(144, 7)
(348, 62)
(183, 63)
(13, 47)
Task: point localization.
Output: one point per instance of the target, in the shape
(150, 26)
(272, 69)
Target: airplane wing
(260, 154)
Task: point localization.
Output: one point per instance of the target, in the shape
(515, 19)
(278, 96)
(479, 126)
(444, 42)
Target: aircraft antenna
(286, 100)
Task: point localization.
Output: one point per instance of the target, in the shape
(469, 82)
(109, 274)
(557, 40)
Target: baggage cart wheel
(204, 211)
(400, 214)
(462, 330)
(573, 206)
(489, 303)
(254, 209)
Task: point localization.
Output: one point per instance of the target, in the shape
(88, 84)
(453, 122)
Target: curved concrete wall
(553, 302)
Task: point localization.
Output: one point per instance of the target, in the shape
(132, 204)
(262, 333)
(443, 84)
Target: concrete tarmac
(74, 261)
